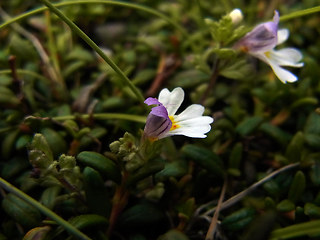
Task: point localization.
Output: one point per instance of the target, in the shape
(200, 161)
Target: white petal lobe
(283, 35)
(194, 110)
(171, 100)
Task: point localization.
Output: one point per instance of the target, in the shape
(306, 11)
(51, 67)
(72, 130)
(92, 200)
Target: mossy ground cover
(75, 161)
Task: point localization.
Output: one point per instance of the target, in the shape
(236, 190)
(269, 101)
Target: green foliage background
(62, 106)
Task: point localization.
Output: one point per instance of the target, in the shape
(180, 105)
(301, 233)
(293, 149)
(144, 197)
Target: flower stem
(95, 47)
(214, 221)
(119, 201)
(212, 81)
(103, 116)
(245, 192)
(51, 44)
(300, 13)
(107, 2)
(66, 225)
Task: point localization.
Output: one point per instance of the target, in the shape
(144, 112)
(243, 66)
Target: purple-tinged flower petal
(152, 101)
(156, 126)
(262, 38)
(159, 110)
(158, 121)
(190, 122)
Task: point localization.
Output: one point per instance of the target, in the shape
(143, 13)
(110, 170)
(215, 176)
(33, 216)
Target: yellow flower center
(267, 54)
(175, 125)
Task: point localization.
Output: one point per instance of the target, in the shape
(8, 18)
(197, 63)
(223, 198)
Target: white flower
(260, 43)
(288, 57)
(162, 121)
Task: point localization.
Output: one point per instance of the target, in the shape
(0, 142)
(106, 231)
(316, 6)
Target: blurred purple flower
(262, 40)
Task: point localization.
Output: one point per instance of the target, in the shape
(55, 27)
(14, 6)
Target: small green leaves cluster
(127, 150)
(63, 172)
(70, 125)
(225, 31)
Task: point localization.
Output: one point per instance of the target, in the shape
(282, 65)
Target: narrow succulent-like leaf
(312, 210)
(297, 187)
(235, 156)
(141, 215)
(294, 149)
(21, 211)
(88, 221)
(297, 230)
(97, 196)
(205, 158)
(248, 125)
(49, 195)
(38, 233)
(238, 219)
(285, 206)
(147, 170)
(100, 163)
(173, 234)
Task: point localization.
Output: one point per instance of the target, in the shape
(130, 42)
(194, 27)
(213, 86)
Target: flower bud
(236, 16)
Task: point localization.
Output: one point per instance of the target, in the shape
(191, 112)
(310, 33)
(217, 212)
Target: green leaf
(313, 140)
(141, 215)
(187, 208)
(38, 233)
(297, 187)
(315, 172)
(144, 76)
(238, 69)
(100, 163)
(276, 133)
(247, 126)
(225, 53)
(239, 219)
(89, 221)
(285, 206)
(173, 234)
(7, 97)
(236, 155)
(48, 197)
(56, 142)
(95, 133)
(312, 210)
(313, 124)
(21, 211)
(294, 149)
(189, 78)
(261, 226)
(40, 154)
(80, 54)
(22, 48)
(13, 167)
(303, 102)
(97, 196)
(150, 168)
(172, 169)
(205, 158)
(297, 230)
